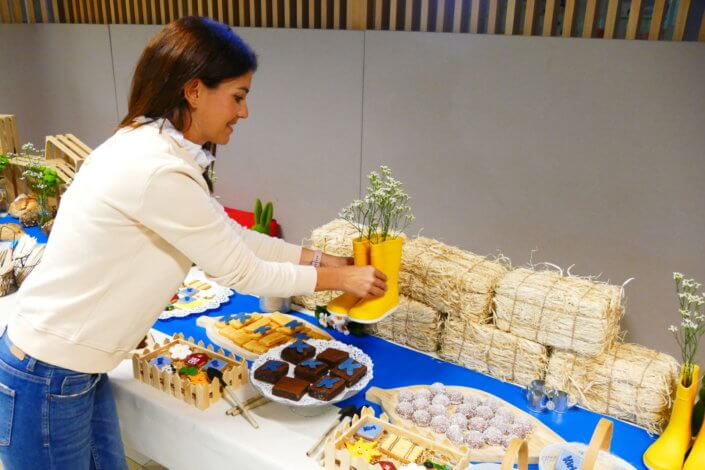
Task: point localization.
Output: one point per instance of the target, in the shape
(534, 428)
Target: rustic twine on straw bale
(629, 382)
(565, 312)
(488, 350)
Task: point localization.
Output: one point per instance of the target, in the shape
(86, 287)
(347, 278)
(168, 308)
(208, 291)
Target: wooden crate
(337, 457)
(200, 396)
(65, 153)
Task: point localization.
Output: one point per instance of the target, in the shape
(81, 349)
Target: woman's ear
(192, 92)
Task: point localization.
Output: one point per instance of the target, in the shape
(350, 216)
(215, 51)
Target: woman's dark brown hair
(188, 48)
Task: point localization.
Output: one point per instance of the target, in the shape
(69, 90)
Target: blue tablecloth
(397, 366)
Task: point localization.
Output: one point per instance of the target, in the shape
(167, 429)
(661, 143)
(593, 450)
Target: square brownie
(290, 387)
(310, 370)
(332, 356)
(271, 371)
(298, 351)
(327, 388)
(349, 370)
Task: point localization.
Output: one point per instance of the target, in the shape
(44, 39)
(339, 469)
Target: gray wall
(584, 152)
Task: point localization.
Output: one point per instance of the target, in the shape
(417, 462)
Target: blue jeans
(54, 418)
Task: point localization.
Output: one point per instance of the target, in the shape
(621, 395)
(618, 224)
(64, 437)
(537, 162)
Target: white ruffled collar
(202, 156)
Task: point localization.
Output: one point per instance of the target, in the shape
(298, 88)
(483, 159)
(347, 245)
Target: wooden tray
(337, 457)
(200, 396)
(209, 324)
(539, 438)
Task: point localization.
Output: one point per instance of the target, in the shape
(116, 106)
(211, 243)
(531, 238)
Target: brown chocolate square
(290, 387)
(349, 370)
(298, 351)
(327, 388)
(332, 356)
(271, 371)
(310, 370)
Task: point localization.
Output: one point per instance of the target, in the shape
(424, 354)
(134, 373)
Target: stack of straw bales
(520, 325)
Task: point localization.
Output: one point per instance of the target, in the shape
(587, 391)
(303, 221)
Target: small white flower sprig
(384, 212)
(692, 324)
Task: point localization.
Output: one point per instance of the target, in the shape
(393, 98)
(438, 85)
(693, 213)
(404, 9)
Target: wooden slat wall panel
(633, 23)
(681, 20)
(589, 21)
(657, 20)
(510, 17)
(611, 18)
(568, 18)
(474, 15)
(519, 16)
(529, 17)
(492, 17)
(549, 18)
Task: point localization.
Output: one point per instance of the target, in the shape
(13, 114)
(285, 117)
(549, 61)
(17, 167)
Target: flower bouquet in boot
(379, 218)
(669, 450)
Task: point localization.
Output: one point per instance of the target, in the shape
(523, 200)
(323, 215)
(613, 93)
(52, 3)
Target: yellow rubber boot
(668, 451)
(696, 459)
(385, 256)
(361, 257)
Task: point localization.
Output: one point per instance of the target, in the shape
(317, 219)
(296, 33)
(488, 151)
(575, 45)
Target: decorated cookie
(216, 364)
(362, 448)
(179, 351)
(271, 371)
(196, 360)
(370, 431)
(350, 371)
(298, 351)
(327, 388)
(310, 370)
(161, 362)
(188, 370)
(290, 388)
(333, 357)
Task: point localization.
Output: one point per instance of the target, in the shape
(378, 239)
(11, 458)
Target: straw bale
(629, 382)
(451, 280)
(488, 350)
(564, 312)
(413, 324)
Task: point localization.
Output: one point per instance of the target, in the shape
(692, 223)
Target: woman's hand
(360, 281)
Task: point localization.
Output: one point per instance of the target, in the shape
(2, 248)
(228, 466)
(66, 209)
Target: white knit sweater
(130, 225)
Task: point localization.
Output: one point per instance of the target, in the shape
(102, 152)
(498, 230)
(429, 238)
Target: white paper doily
(307, 401)
(208, 299)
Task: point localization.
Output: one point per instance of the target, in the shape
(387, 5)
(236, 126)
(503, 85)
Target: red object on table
(247, 219)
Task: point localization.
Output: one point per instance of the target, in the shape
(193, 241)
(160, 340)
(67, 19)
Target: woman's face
(214, 111)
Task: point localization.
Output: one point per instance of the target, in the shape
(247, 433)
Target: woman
(137, 215)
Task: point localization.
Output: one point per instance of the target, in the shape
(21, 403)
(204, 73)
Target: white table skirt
(180, 436)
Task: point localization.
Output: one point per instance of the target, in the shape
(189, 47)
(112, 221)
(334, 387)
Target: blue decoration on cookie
(241, 317)
(312, 363)
(263, 329)
(301, 335)
(349, 366)
(160, 362)
(216, 364)
(327, 382)
(293, 324)
(272, 365)
(186, 299)
(370, 431)
(300, 346)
